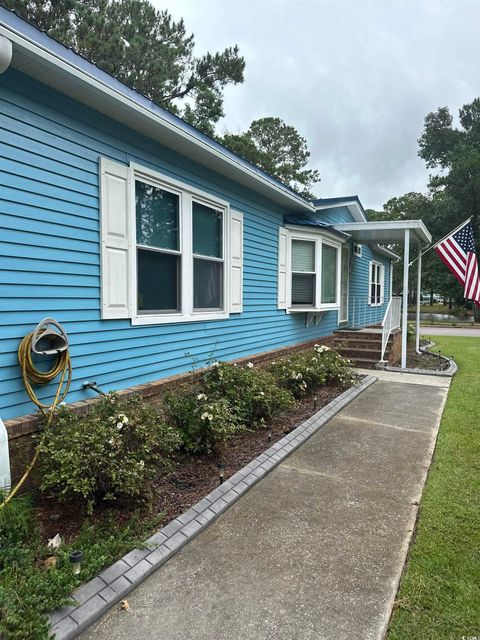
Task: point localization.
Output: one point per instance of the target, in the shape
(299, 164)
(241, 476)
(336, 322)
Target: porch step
(365, 363)
(363, 348)
(352, 353)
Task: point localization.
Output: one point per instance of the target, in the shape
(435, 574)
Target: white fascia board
(85, 83)
(392, 228)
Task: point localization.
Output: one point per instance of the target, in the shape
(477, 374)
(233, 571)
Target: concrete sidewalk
(316, 549)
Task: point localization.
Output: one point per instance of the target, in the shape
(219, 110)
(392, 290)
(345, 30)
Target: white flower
(201, 396)
(262, 393)
(141, 464)
(119, 426)
(210, 417)
(111, 441)
(204, 415)
(250, 365)
(125, 420)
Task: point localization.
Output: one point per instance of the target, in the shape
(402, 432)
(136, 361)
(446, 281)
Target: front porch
(363, 320)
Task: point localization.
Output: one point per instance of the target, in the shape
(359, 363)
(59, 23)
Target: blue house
(154, 245)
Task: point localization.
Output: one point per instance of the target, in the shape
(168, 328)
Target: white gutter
(5, 53)
(89, 80)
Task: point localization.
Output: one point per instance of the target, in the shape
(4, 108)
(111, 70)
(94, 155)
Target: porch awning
(389, 232)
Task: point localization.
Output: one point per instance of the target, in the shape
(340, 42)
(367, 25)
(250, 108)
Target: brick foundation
(20, 430)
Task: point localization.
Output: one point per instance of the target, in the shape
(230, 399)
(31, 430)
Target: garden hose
(32, 376)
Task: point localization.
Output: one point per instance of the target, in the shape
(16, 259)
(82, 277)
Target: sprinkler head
(76, 559)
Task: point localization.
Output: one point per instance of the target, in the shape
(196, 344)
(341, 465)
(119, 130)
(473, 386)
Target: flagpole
(450, 233)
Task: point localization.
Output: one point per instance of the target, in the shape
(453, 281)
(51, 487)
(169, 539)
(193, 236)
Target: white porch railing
(390, 321)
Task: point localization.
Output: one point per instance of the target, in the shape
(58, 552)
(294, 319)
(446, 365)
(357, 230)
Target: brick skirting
(20, 430)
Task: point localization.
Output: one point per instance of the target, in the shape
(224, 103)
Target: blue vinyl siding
(49, 251)
(335, 215)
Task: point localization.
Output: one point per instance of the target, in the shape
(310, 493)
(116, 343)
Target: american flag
(457, 252)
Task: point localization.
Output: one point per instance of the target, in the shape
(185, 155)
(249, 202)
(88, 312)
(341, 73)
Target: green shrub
(305, 371)
(109, 453)
(252, 393)
(204, 423)
(337, 369)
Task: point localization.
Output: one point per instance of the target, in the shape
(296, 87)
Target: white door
(344, 280)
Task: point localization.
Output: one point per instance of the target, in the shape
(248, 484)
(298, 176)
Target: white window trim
(187, 194)
(320, 238)
(382, 283)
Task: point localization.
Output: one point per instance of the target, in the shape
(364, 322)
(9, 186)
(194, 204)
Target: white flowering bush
(252, 392)
(111, 452)
(203, 422)
(337, 369)
(305, 371)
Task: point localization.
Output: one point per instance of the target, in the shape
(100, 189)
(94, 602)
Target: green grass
(439, 596)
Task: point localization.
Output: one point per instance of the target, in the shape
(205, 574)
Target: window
(207, 257)
(308, 271)
(357, 250)
(170, 252)
(158, 249)
(376, 283)
(303, 273)
(329, 274)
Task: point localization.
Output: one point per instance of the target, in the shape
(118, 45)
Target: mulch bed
(429, 361)
(190, 478)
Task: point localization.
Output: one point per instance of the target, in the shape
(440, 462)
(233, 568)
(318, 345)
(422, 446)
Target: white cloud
(355, 77)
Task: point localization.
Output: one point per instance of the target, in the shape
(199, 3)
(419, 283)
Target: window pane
(303, 255)
(329, 274)
(372, 293)
(303, 289)
(158, 276)
(207, 284)
(157, 216)
(207, 231)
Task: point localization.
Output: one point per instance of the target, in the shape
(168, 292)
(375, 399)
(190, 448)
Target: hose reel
(48, 339)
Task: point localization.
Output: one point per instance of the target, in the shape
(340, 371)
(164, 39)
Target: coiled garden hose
(32, 376)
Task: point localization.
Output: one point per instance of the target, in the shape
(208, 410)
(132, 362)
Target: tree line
(453, 154)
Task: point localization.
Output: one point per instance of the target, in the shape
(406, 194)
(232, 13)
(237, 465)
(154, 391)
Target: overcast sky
(355, 77)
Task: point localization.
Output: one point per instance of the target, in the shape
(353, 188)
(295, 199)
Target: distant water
(438, 317)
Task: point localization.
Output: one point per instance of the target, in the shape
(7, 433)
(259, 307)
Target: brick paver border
(114, 583)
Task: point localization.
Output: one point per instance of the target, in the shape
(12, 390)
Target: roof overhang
(389, 232)
(352, 203)
(46, 60)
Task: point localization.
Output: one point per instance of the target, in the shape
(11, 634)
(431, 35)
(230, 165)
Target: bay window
(309, 271)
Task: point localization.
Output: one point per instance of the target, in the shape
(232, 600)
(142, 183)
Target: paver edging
(446, 373)
(116, 581)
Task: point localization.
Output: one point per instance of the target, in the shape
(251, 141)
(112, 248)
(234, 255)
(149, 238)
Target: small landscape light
(221, 471)
(315, 400)
(269, 435)
(76, 559)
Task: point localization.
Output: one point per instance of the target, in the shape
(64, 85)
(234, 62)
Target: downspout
(5, 53)
(419, 284)
(406, 257)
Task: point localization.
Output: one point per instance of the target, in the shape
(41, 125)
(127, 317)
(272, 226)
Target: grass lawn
(439, 596)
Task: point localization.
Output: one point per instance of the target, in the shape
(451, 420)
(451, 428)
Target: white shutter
(115, 239)
(282, 268)
(236, 262)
